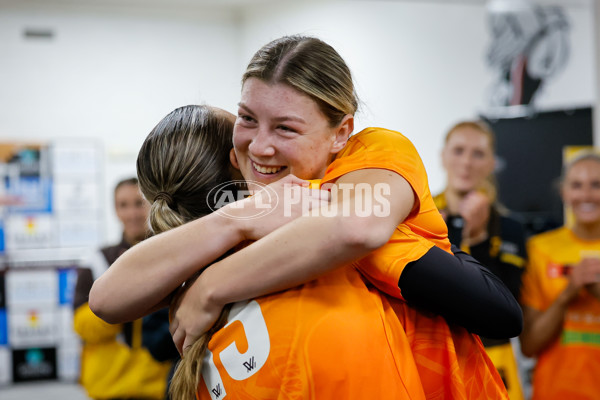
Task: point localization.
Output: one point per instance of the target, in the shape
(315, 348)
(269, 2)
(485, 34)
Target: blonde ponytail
(188, 372)
(185, 157)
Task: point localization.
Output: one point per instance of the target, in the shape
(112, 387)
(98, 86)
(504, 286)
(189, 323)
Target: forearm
(294, 254)
(464, 292)
(311, 245)
(147, 273)
(542, 327)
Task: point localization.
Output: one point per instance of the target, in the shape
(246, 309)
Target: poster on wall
(27, 177)
(27, 289)
(529, 46)
(33, 327)
(38, 363)
(29, 231)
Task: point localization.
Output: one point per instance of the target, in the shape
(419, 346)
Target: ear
(342, 133)
(233, 159)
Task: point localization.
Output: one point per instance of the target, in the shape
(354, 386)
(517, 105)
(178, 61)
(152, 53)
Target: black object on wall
(530, 158)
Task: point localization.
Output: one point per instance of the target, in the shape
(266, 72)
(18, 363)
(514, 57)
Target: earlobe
(343, 132)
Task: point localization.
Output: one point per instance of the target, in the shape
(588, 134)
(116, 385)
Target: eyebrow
(278, 119)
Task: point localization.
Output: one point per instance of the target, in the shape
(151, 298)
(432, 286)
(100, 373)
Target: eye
(285, 128)
(575, 185)
(286, 131)
(457, 151)
(245, 118)
(478, 154)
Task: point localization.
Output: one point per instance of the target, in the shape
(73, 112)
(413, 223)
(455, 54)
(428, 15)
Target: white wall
(112, 71)
(110, 75)
(420, 66)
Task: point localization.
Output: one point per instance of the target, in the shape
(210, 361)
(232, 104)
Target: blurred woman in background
(561, 292)
(480, 226)
(129, 360)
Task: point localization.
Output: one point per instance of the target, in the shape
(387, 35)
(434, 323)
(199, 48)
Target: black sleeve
(462, 291)
(156, 336)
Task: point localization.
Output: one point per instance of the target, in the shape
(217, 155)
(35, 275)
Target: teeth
(266, 170)
(587, 207)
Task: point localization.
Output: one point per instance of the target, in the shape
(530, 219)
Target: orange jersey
(422, 229)
(569, 367)
(333, 338)
(451, 362)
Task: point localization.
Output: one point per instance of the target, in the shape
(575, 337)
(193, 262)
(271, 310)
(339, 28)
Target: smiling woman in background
(561, 292)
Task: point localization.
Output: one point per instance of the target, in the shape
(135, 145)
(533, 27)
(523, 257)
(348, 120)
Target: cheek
(237, 141)
(240, 138)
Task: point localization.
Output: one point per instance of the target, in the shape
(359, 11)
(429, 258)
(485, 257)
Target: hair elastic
(166, 197)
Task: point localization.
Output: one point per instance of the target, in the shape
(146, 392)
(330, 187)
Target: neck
(587, 231)
(453, 199)
(132, 240)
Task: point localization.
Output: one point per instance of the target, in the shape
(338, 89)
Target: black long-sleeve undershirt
(462, 291)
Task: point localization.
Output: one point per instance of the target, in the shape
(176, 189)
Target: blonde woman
(561, 292)
(481, 226)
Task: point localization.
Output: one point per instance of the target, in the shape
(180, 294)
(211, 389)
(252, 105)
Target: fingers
(187, 343)
(179, 340)
(173, 326)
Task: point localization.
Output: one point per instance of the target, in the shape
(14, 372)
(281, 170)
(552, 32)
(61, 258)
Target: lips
(587, 207)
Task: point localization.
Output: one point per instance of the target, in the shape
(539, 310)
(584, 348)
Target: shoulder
(380, 138)
(376, 145)
(549, 240)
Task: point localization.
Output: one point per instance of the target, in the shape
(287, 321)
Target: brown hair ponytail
(182, 159)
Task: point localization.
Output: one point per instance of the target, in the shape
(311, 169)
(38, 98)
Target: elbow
(98, 304)
(512, 317)
(366, 233)
(527, 349)
(511, 320)
(515, 322)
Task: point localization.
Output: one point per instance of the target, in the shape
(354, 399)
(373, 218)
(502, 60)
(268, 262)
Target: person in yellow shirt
(115, 364)
(561, 292)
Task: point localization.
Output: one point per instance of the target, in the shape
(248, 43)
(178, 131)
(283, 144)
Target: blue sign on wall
(3, 328)
(67, 279)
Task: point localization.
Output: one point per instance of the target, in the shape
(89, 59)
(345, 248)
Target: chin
(585, 220)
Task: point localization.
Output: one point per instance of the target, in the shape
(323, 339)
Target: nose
(262, 144)
(587, 193)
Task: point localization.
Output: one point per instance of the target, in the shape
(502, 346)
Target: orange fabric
(332, 338)
(569, 367)
(424, 228)
(452, 363)
(338, 337)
